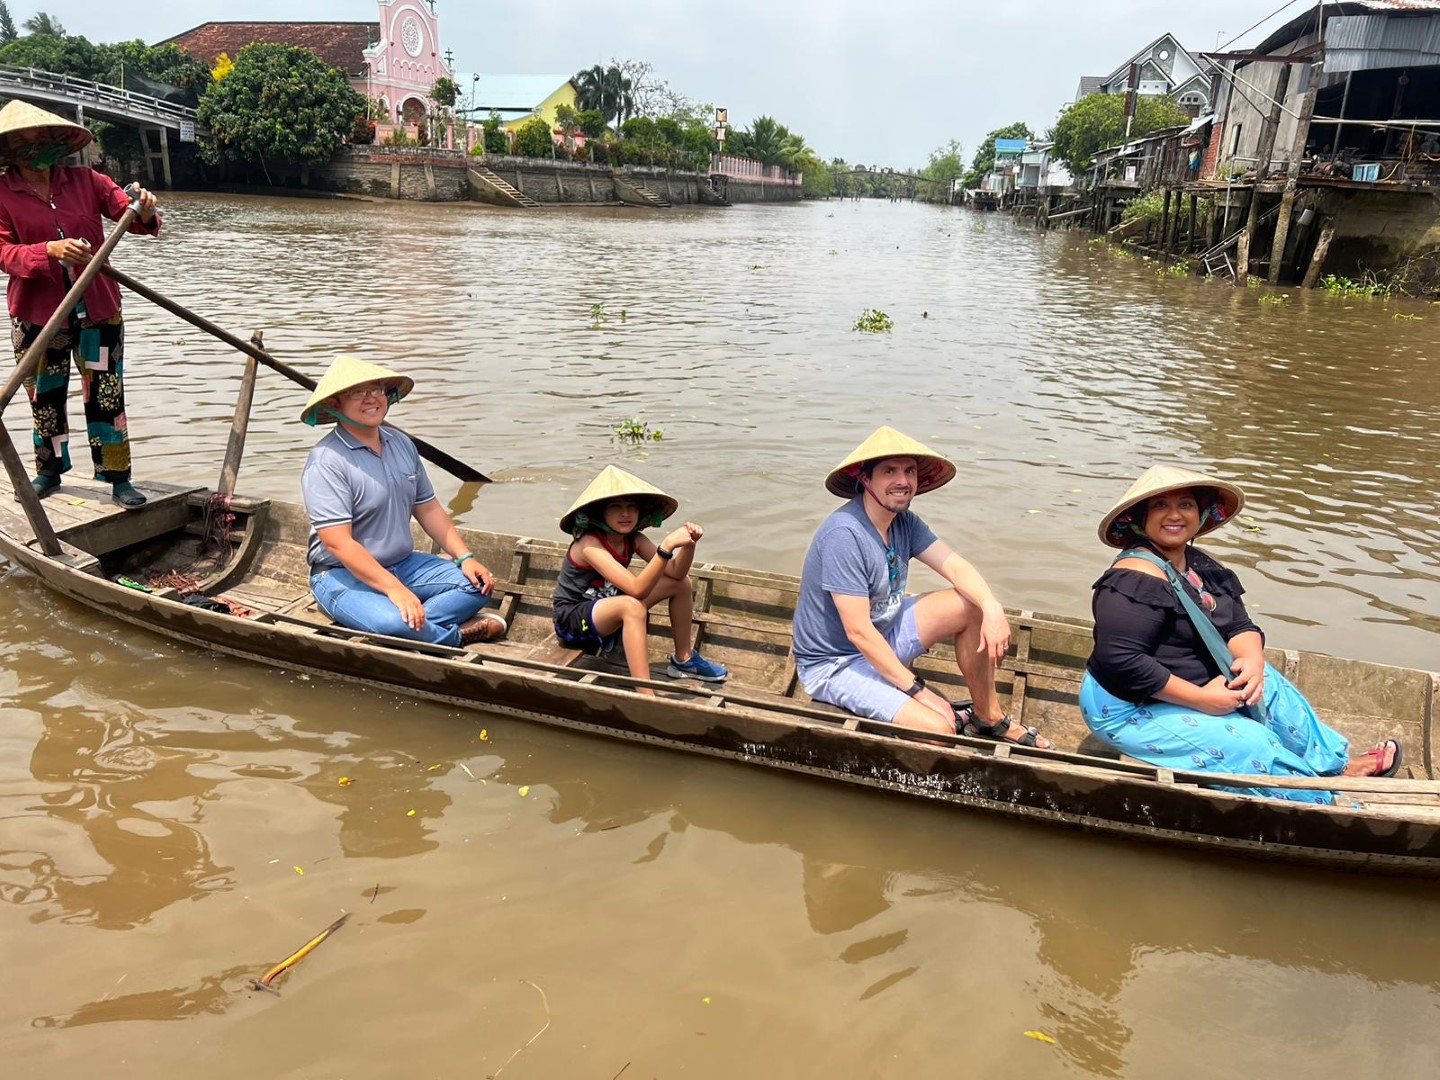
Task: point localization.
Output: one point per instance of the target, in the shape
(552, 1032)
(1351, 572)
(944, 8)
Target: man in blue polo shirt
(362, 484)
(857, 633)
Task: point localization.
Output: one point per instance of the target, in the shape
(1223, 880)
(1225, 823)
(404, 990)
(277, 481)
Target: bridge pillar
(150, 155)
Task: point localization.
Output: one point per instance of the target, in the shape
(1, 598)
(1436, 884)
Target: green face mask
(42, 155)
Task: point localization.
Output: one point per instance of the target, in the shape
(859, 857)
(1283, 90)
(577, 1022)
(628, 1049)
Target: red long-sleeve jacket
(78, 197)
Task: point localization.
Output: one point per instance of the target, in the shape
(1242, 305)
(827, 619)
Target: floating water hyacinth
(874, 321)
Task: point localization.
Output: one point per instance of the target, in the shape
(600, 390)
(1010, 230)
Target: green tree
(984, 159)
(592, 123)
(63, 55)
(944, 170)
(44, 24)
(136, 66)
(444, 93)
(607, 90)
(496, 141)
(7, 25)
(1098, 121)
(533, 139)
(281, 103)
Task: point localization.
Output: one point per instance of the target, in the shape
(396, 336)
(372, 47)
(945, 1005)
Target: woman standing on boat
(50, 222)
(1157, 690)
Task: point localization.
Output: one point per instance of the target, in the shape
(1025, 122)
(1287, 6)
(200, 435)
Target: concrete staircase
(631, 191)
(489, 187)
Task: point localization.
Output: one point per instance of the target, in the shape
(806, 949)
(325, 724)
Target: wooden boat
(251, 554)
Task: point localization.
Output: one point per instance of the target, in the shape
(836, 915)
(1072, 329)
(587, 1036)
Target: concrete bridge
(100, 101)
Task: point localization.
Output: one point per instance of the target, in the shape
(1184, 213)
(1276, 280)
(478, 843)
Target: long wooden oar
(432, 454)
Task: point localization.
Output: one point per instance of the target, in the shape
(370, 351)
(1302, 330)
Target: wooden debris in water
(265, 981)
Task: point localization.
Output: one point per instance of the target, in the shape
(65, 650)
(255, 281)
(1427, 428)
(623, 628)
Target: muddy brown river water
(172, 822)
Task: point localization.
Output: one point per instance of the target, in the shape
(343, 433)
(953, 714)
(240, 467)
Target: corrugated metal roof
(1010, 146)
(1305, 22)
(1371, 42)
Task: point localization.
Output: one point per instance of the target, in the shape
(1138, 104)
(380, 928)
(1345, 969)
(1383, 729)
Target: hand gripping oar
(62, 313)
(432, 454)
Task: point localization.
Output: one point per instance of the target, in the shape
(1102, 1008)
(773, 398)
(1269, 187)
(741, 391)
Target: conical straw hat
(348, 371)
(1119, 528)
(613, 483)
(886, 442)
(22, 116)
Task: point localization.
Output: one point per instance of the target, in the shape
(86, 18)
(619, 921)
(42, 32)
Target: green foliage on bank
(1097, 122)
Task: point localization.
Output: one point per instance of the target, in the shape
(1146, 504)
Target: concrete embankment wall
(430, 175)
(1378, 229)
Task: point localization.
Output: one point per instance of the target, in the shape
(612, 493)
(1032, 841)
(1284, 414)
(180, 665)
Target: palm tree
(42, 23)
(607, 90)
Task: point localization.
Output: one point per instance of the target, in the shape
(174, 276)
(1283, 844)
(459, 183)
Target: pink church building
(393, 62)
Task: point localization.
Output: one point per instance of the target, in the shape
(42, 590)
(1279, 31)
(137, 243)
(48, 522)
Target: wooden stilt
(1292, 173)
(1190, 227)
(1242, 246)
(235, 448)
(1165, 223)
(1317, 260)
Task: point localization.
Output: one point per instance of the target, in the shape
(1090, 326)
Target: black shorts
(575, 628)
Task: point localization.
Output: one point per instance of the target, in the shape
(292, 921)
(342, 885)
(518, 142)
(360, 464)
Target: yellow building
(516, 98)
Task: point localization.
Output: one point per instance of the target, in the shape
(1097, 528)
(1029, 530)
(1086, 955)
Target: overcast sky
(876, 82)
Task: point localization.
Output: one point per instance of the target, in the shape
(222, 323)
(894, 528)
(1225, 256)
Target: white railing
(739, 168)
(87, 92)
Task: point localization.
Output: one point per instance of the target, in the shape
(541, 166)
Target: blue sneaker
(697, 667)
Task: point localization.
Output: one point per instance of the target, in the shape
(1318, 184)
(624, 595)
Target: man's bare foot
(1381, 761)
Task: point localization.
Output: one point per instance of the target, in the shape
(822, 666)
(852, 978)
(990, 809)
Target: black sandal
(966, 723)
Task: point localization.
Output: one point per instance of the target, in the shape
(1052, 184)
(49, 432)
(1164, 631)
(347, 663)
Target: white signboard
(187, 130)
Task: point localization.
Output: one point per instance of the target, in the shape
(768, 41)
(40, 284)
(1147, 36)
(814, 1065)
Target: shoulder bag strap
(1214, 643)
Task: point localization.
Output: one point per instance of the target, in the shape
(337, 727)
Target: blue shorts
(852, 684)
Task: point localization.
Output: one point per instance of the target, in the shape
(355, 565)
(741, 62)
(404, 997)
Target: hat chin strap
(348, 419)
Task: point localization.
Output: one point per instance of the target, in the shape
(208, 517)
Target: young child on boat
(600, 602)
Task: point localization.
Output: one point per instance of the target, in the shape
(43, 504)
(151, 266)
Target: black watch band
(666, 555)
(915, 687)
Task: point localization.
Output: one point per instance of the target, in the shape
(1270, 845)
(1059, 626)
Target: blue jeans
(446, 593)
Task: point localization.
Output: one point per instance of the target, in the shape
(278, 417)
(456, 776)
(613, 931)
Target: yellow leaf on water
(298, 870)
(484, 735)
(1032, 511)
(1076, 491)
(1039, 1035)
(409, 813)
(525, 791)
(705, 1001)
(432, 768)
(274, 861)
(345, 781)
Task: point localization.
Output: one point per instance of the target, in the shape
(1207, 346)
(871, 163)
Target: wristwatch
(666, 555)
(915, 687)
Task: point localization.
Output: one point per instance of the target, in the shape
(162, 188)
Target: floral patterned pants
(98, 352)
(1294, 743)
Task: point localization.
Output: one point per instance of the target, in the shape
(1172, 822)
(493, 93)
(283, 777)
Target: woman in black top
(1153, 690)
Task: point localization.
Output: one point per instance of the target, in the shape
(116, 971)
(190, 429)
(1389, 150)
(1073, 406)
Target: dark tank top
(582, 584)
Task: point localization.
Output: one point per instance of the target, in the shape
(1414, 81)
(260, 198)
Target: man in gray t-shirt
(856, 633)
